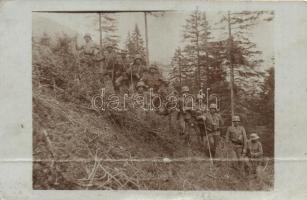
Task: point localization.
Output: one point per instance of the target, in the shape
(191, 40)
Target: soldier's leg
(246, 165)
(182, 125)
(201, 131)
(238, 151)
(187, 132)
(108, 84)
(210, 144)
(216, 140)
(253, 165)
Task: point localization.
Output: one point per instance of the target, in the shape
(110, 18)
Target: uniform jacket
(255, 149)
(152, 80)
(89, 48)
(213, 122)
(110, 60)
(136, 70)
(237, 135)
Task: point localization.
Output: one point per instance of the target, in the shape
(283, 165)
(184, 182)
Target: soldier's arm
(260, 150)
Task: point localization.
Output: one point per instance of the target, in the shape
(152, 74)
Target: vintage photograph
(153, 100)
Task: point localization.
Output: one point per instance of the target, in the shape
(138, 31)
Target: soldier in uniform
(236, 140)
(87, 68)
(121, 77)
(135, 71)
(213, 121)
(109, 69)
(254, 152)
(110, 61)
(141, 88)
(88, 50)
(185, 115)
(152, 78)
(140, 98)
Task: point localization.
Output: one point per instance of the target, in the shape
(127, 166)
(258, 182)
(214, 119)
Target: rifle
(208, 143)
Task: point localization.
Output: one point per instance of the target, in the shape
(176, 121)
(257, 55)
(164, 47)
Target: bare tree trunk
(146, 38)
(100, 31)
(231, 65)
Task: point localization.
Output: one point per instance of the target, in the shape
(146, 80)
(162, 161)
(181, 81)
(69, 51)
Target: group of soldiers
(246, 153)
(117, 71)
(122, 74)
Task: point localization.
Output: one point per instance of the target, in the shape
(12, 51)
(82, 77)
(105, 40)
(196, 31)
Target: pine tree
(192, 49)
(128, 42)
(109, 27)
(177, 74)
(205, 61)
(135, 43)
(242, 56)
(196, 51)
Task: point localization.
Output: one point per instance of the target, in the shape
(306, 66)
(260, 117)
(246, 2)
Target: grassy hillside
(75, 147)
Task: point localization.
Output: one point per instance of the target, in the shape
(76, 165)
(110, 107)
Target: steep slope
(78, 148)
(75, 147)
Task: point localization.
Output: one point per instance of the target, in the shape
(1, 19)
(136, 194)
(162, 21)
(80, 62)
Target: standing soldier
(185, 114)
(123, 59)
(88, 50)
(255, 152)
(163, 92)
(213, 121)
(87, 68)
(236, 140)
(141, 98)
(110, 62)
(135, 71)
(121, 77)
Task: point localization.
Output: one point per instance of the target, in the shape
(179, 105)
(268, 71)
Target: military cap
(236, 118)
(254, 136)
(141, 84)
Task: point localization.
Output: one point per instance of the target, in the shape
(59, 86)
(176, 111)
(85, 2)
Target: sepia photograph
(153, 100)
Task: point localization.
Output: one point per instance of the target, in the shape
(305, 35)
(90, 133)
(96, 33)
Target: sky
(164, 31)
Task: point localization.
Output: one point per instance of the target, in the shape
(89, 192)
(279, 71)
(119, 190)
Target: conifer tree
(135, 43)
